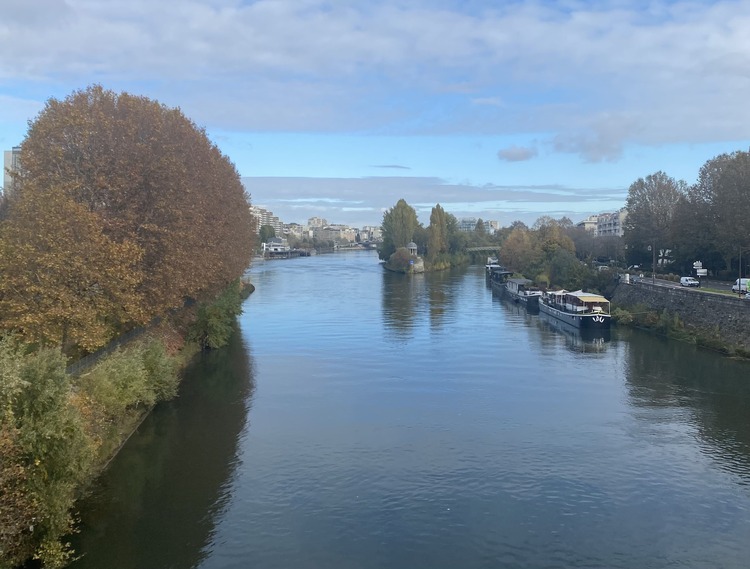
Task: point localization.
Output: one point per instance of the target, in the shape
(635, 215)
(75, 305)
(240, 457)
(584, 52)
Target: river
(363, 419)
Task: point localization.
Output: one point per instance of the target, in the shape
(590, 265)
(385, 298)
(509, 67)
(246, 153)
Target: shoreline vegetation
(92, 250)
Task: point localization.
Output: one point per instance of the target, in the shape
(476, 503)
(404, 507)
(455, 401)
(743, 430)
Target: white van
(689, 281)
(740, 285)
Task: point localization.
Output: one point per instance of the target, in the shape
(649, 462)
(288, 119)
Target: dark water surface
(362, 419)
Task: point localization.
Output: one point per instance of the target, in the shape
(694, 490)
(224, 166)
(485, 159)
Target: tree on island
(399, 224)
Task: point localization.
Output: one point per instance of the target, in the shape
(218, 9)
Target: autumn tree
(144, 181)
(64, 281)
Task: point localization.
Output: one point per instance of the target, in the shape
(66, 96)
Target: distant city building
(295, 230)
(470, 224)
(317, 222)
(11, 163)
(265, 217)
(371, 233)
(611, 224)
(336, 233)
(589, 224)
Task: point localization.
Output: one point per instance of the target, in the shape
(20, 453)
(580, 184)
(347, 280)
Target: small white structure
(412, 248)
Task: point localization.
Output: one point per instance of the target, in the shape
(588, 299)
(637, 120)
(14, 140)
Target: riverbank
(60, 431)
(714, 321)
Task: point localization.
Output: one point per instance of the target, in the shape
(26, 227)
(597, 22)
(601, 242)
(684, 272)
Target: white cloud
(591, 77)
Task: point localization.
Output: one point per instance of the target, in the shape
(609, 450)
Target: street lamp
(652, 248)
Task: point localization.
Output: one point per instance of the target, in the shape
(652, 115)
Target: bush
(213, 325)
(400, 260)
(49, 454)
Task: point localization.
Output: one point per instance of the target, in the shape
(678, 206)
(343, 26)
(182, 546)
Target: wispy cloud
(391, 166)
(517, 153)
(361, 201)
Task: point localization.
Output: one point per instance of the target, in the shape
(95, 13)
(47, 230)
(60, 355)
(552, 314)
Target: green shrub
(56, 449)
(214, 321)
(622, 316)
(118, 383)
(161, 371)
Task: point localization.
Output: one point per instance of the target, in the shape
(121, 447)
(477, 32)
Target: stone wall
(701, 312)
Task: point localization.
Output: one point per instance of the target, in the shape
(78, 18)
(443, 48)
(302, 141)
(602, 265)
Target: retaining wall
(701, 312)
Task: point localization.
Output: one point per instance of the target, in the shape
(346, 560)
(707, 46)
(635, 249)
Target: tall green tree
(651, 204)
(720, 198)
(437, 242)
(399, 224)
(266, 232)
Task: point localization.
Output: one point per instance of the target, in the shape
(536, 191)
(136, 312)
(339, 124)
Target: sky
(500, 110)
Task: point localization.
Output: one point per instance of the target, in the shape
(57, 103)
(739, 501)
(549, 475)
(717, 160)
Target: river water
(363, 419)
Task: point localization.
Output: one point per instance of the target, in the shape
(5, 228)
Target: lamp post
(652, 248)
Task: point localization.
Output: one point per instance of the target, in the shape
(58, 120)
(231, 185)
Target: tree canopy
(651, 204)
(151, 213)
(399, 224)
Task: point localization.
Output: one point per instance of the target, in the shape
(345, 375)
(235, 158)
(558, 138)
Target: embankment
(703, 314)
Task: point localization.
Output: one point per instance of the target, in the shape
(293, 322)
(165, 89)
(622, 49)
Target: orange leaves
(63, 279)
(125, 209)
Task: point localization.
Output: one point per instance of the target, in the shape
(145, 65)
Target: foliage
(64, 281)
(398, 226)
(213, 325)
(54, 430)
(48, 454)
(622, 316)
(143, 182)
(266, 232)
(437, 242)
(651, 204)
(721, 192)
(400, 260)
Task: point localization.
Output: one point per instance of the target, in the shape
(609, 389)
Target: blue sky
(500, 110)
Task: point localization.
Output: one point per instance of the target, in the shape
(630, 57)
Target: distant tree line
(441, 243)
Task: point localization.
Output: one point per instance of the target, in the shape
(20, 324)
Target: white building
(611, 224)
(589, 224)
(266, 217)
(11, 162)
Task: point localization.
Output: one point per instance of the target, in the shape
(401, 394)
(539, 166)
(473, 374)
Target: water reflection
(157, 504)
(576, 340)
(407, 298)
(400, 299)
(712, 394)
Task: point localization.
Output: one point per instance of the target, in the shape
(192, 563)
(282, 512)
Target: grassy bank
(59, 431)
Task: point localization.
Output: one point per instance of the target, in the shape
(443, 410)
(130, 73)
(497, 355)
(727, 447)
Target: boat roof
(588, 296)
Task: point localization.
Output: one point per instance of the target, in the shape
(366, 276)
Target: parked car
(740, 285)
(689, 281)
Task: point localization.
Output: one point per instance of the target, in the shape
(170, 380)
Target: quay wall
(708, 314)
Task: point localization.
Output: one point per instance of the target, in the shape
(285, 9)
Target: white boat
(584, 310)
